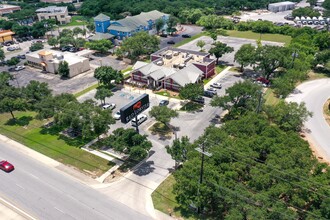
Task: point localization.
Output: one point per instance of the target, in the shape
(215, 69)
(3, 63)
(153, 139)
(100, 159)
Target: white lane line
(34, 176)
(59, 210)
(19, 186)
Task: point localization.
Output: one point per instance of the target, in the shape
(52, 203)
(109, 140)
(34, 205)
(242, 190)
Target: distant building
(8, 9)
(128, 26)
(49, 60)
(319, 2)
(281, 6)
(6, 35)
(60, 14)
(173, 68)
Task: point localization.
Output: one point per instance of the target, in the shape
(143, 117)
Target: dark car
(170, 42)
(199, 100)
(6, 166)
(20, 40)
(24, 39)
(8, 43)
(29, 38)
(11, 69)
(22, 57)
(163, 35)
(65, 48)
(208, 94)
(73, 49)
(186, 36)
(163, 102)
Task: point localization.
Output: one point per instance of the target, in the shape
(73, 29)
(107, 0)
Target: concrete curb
(16, 210)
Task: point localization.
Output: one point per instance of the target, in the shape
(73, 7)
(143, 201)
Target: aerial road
(46, 193)
(315, 93)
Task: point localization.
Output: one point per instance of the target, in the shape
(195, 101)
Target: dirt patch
(326, 111)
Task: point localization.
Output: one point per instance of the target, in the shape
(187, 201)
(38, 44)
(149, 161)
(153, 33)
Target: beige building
(60, 14)
(49, 60)
(8, 9)
(57, 1)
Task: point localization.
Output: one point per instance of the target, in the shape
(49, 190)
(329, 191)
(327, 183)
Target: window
(62, 16)
(42, 17)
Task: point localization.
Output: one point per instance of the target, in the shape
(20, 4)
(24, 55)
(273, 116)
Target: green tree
(36, 91)
(171, 24)
(163, 114)
(191, 91)
(102, 46)
(106, 74)
(220, 49)
(102, 93)
(53, 41)
(159, 24)
(288, 116)
(200, 44)
(2, 55)
(241, 98)
(12, 99)
(63, 69)
(306, 12)
(13, 61)
(245, 56)
(140, 44)
(178, 150)
(101, 122)
(191, 15)
(36, 46)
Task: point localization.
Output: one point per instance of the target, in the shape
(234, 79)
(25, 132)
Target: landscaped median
(48, 141)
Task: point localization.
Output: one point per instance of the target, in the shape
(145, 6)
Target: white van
(140, 119)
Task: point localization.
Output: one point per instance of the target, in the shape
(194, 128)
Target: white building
(49, 60)
(60, 14)
(281, 6)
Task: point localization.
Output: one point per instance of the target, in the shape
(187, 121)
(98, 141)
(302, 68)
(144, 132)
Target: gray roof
(282, 3)
(102, 17)
(189, 74)
(156, 72)
(101, 36)
(52, 9)
(133, 22)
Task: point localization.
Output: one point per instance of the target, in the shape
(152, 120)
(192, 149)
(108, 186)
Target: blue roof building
(120, 29)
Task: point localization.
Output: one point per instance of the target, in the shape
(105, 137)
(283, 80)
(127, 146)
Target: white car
(212, 90)
(109, 106)
(216, 85)
(140, 119)
(18, 68)
(117, 116)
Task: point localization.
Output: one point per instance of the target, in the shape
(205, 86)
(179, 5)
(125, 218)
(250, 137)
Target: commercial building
(60, 14)
(49, 60)
(173, 68)
(57, 1)
(8, 9)
(128, 26)
(6, 35)
(281, 6)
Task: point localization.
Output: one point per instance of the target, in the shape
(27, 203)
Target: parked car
(20, 40)
(18, 68)
(199, 100)
(186, 36)
(81, 48)
(22, 57)
(11, 69)
(65, 48)
(109, 106)
(6, 166)
(140, 119)
(8, 43)
(208, 94)
(24, 39)
(73, 49)
(170, 42)
(117, 115)
(163, 102)
(262, 80)
(216, 85)
(29, 38)
(163, 35)
(11, 48)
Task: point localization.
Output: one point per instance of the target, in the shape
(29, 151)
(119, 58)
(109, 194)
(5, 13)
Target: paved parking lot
(236, 43)
(108, 61)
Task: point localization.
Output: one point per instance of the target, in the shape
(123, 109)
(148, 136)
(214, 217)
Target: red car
(6, 166)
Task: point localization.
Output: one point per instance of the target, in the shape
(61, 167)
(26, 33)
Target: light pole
(201, 149)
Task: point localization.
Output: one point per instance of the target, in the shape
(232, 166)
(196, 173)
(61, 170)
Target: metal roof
(101, 36)
(102, 17)
(189, 74)
(52, 9)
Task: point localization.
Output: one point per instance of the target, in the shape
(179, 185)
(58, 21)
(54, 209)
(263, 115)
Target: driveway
(315, 94)
(187, 29)
(236, 43)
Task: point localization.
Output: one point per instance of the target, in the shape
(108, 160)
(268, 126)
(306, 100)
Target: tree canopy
(106, 75)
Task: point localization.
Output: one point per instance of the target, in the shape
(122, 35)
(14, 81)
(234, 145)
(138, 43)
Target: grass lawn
(167, 94)
(164, 200)
(28, 131)
(86, 90)
(75, 21)
(218, 69)
(191, 106)
(161, 129)
(187, 40)
(270, 97)
(256, 36)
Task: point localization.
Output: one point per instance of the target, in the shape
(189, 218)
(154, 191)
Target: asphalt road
(45, 193)
(314, 94)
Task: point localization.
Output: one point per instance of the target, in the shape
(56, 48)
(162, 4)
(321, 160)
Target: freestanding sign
(129, 111)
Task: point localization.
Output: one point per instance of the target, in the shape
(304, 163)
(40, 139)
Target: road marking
(20, 186)
(59, 210)
(34, 176)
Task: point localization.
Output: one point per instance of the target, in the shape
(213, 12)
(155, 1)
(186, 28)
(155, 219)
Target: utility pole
(201, 149)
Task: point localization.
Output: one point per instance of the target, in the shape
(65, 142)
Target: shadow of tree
(22, 121)
(144, 169)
